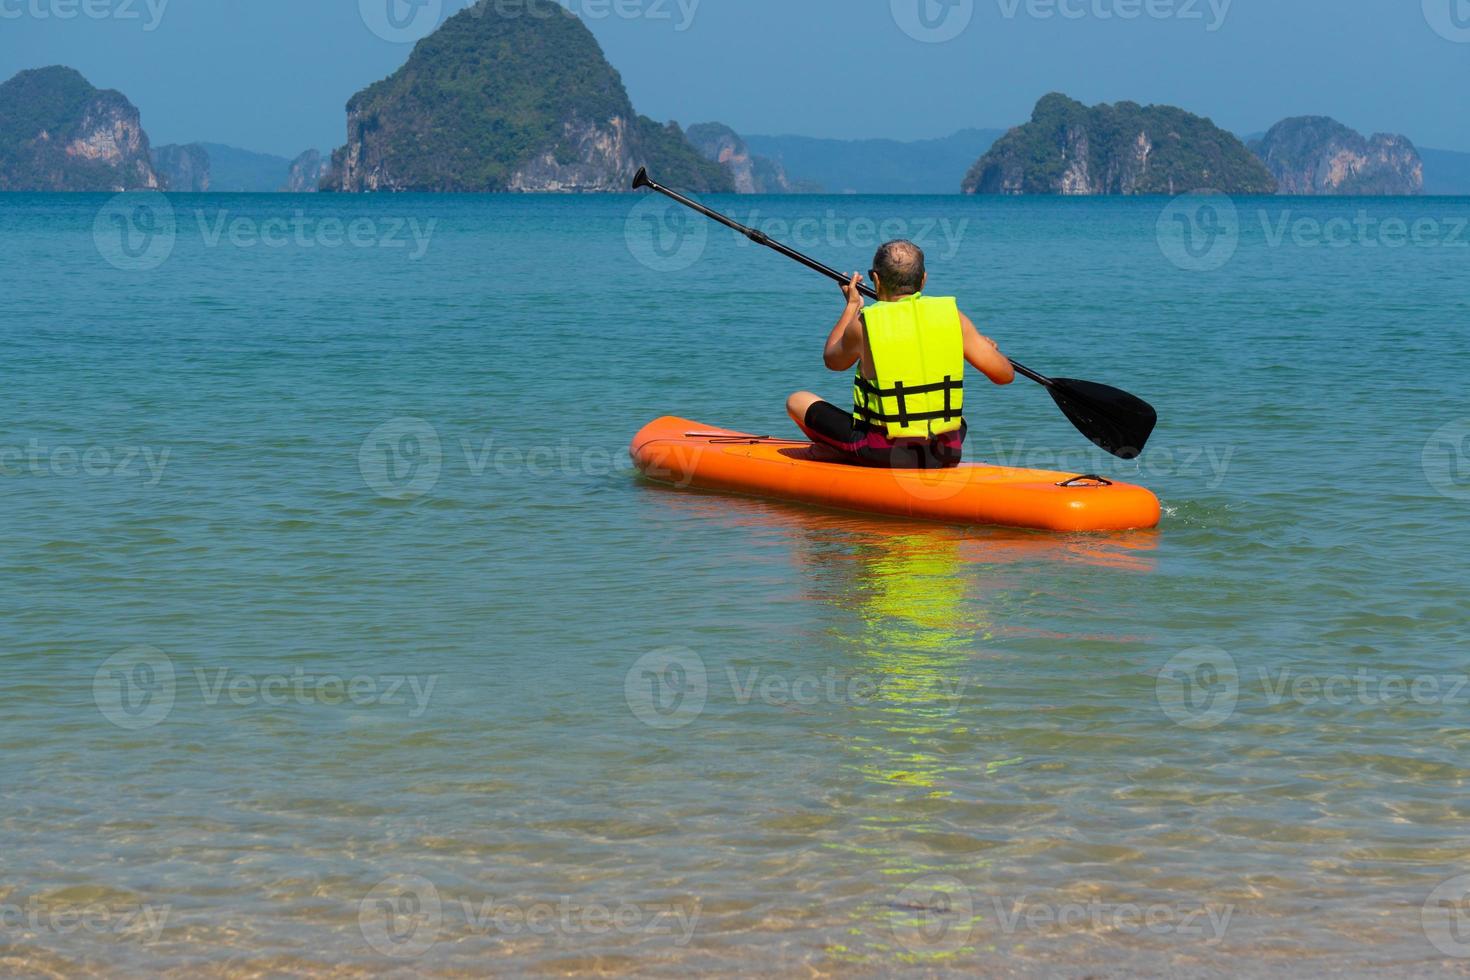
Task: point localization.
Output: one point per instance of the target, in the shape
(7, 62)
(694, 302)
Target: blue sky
(274, 75)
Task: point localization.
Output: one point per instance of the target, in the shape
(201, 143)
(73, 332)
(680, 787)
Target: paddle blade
(1113, 419)
(640, 179)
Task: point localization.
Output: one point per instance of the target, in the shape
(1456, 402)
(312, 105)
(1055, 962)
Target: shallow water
(340, 636)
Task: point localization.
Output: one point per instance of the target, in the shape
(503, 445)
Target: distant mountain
(751, 174)
(876, 166)
(182, 168)
(509, 98)
(307, 172)
(1072, 149)
(58, 133)
(1446, 172)
(233, 170)
(1318, 155)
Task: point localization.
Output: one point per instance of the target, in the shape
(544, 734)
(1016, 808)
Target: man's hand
(851, 291)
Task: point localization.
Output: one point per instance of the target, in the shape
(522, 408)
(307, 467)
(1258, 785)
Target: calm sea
(339, 636)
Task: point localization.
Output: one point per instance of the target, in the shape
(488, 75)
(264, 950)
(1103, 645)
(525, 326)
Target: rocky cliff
(509, 98)
(752, 174)
(1318, 155)
(182, 168)
(58, 133)
(307, 173)
(1072, 149)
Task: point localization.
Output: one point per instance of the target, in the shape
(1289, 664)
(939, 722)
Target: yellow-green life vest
(918, 349)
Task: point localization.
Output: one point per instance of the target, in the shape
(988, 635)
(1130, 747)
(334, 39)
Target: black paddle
(1113, 419)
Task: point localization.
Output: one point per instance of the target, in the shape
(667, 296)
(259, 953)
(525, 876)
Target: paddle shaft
(761, 238)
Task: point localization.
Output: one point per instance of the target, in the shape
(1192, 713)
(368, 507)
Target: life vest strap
(901, 390)
(868, 415)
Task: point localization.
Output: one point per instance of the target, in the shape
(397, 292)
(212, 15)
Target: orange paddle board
(688, 454)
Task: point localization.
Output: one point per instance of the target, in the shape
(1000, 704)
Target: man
(908, 395)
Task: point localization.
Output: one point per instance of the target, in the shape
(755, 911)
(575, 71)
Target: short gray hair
(900, 267)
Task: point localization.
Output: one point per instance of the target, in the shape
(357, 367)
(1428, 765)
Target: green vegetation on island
(1318, 155)
(509, 100)
(1070, 148)
(59, 133)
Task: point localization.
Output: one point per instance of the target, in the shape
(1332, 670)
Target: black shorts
(830, 426)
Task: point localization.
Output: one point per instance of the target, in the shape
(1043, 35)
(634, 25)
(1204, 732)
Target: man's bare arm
(985, 356)
(845, 343)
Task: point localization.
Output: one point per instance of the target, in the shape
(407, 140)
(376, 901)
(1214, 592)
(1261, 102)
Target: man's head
(899, 270)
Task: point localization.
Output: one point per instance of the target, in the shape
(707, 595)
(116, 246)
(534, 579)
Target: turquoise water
(340, 636)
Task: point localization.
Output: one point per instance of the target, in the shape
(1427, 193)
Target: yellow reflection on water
(917, 603)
